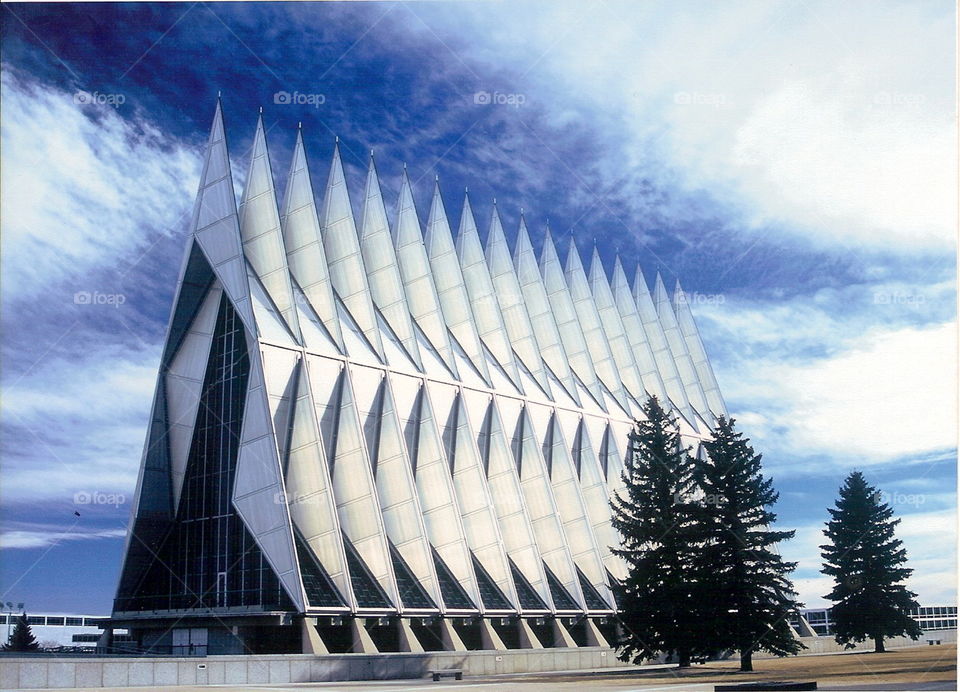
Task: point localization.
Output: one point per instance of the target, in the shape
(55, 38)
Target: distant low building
(928, 617)
(63, 631)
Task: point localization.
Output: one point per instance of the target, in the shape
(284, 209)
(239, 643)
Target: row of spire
(533, 312)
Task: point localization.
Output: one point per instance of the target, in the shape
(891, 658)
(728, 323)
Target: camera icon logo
(282, 98)
(81, 498)
(481, 98)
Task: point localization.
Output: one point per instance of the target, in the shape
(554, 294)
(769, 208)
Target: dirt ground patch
(921, 664)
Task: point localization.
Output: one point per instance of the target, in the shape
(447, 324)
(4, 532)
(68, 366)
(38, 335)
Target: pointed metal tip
(494, 201)
(436, 178)
(404, 165)
(218, 93)
(299, 124)
(466, 190)
(371, 153)
(261, 110)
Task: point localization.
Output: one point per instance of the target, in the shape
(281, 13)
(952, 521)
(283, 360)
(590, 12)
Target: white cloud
(837, 119)
(890, 395)
(77, 426)
(930, 539)
(42, 539)
(83, 187)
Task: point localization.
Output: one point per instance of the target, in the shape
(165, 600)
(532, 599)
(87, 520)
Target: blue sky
(791, 163)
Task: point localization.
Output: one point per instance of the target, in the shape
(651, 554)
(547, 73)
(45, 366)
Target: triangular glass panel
(560, 394)
(469, 374)
(321, 592)
(490, 593)
(365, 588)
(316, 336)
(529, 599)
(411, 431)
(448, 435)
(561, 597)
(269, 322)
(412, 594)
(530, 384)
(591, 596)
(354, 340)
(433, 364)
(454, 597)
(397, 356)
(330, 421)
(500, 380)
(483, 440)
(372, 426)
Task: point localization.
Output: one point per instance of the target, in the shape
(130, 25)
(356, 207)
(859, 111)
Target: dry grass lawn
(921, 664)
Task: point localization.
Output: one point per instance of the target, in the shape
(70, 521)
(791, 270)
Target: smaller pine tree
(21, 639)
(751, 597)
(657, 536)
(866, 562)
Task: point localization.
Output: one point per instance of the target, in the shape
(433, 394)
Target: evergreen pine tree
(657, 535)
(866, 562)
(750, 596)
(21, 639)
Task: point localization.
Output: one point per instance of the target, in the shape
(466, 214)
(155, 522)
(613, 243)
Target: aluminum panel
(480, 292)
(418, 285)
(451, 289)
(344, 259)
(547, 289)
(509, 295)
(300, 227)
(688, 327)
(383, 270)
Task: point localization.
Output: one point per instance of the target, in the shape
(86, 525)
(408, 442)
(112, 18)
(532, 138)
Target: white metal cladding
(383, 271)
(260, 231)
(344, 259)
(691, 334)
(598, 345)
(184, 386)
(516, 316)
(653, 330)
(561, 309)
(301, 237)
(451, 290)
(617, 296)
(548, 322)
(467, 407)
(418, 282)
(482, 296)
(678, 347)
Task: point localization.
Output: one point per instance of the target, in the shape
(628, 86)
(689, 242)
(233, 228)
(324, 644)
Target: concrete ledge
(43, 672)
(47, 672)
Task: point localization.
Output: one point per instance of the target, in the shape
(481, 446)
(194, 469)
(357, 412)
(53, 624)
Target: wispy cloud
(882, 398)
(84, 188)
(798, 112)
(930, 541)
(43, 539)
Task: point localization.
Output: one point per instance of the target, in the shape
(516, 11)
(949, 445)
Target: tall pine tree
(866, 562)
(21, 639)
(750, 598)
(658, 541)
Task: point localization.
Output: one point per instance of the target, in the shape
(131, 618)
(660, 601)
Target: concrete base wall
(37, 672)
